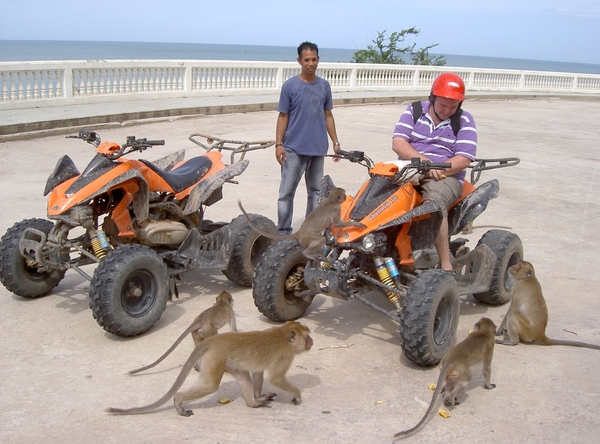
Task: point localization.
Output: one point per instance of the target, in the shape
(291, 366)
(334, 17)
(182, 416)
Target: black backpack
(454, 120)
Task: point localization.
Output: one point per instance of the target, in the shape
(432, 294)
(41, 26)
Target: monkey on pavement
(246, 356)
(527, 316)
(455, 372)
(206, 324)
(310, 234)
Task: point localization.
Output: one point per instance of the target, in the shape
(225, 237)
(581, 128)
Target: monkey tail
(165, 354)
(434, 400)
(550, 341)
(187, 367)
(261, 232)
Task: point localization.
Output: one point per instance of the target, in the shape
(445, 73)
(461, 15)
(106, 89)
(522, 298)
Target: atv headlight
(368, 243)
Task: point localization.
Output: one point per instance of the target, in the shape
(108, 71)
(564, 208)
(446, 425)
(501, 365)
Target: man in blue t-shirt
(304, 120)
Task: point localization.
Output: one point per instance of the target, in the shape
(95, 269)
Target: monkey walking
(455, 372)
(310, 234)
(205, 325)
(527, 316)
(246, 356)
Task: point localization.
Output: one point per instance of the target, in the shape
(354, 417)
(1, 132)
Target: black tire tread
(500, 242)
(240, 270)
(415, 318)
(9, 269)
(101, 288)
(267, 288)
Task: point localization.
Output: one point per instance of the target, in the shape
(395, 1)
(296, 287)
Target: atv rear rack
(235, 146)
(479, 165)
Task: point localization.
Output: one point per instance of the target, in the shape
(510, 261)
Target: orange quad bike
(395, 255)
(142, 223)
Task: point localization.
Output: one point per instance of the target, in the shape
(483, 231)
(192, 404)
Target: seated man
(440, 132)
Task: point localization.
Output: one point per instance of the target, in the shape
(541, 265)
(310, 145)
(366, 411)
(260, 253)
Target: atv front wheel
(429, 317)
(248, 247)
(20, 275)
(279, 278)
(129, 290)
(508, 249)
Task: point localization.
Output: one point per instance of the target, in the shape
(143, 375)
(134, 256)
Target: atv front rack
(235, 146)
(479, 165)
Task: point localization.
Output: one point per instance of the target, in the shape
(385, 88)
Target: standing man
(304, 120)
(440, 132)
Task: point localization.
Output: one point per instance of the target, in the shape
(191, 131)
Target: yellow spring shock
(100, 244)
(384, 276)
(194, 218)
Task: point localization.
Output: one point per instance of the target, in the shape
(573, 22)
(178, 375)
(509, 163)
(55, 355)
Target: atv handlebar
(235, 146)
(132, 143)
(354, 157)
(90, 137)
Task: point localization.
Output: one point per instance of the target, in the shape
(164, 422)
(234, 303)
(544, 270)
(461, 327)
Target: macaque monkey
(246, 356)
(206, 324)
(527, 315)
(310, 234)
(455, 372)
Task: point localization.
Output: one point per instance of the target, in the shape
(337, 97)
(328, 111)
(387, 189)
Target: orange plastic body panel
(403, 200)
(59, 201)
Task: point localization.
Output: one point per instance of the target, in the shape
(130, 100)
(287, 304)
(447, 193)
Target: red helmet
(449, 85)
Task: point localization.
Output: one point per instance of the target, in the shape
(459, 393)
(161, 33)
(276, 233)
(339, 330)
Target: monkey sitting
(455, 372)
(205, 325)
(527, 316)
(310, 234)
(246, 356)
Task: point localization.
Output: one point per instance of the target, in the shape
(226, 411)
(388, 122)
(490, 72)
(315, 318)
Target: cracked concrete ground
(59, 370)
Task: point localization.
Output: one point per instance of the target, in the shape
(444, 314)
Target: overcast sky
(555, 30)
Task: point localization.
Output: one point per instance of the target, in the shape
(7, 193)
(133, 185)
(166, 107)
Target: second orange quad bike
(395, 255)
(142, 223)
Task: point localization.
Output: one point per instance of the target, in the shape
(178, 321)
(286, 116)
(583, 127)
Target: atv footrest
(211, 250)
(474, 271)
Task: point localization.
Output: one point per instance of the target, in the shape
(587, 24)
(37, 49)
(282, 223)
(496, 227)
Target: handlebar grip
(440, 166)
(155, 142)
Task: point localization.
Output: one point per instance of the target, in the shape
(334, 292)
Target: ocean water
(31, 50)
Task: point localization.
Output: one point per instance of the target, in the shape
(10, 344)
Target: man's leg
(312, 177)
(442, 245)
(291, 173)
(444, 192)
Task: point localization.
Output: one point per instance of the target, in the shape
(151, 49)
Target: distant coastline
(32, 50)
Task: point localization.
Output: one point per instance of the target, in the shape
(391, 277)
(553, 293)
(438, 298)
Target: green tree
(388, 50)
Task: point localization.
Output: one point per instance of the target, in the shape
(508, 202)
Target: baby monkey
(455, 372)
(527, 316)
(310, 234)
(205, 325)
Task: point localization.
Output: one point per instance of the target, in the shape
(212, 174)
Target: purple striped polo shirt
(438, 143)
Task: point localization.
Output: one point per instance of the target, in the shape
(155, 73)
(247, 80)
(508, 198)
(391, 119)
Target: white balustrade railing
(46, 83)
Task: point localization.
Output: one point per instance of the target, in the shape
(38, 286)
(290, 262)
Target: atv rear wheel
(20, 275)
(279, 277)
(508, 249)
(129, 290)
(429, 317)
(248, 247)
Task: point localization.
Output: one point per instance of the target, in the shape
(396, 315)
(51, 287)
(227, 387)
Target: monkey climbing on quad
(395, 255)
(141, 223)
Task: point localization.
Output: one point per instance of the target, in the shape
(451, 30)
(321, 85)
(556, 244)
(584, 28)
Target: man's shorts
(444, 191)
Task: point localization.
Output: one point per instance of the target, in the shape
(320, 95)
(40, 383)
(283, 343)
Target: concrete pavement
(59, 369)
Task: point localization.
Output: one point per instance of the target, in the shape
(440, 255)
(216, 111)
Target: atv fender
(465, 212)
(201, 192)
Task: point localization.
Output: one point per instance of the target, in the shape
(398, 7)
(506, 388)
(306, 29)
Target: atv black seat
(185, 175)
